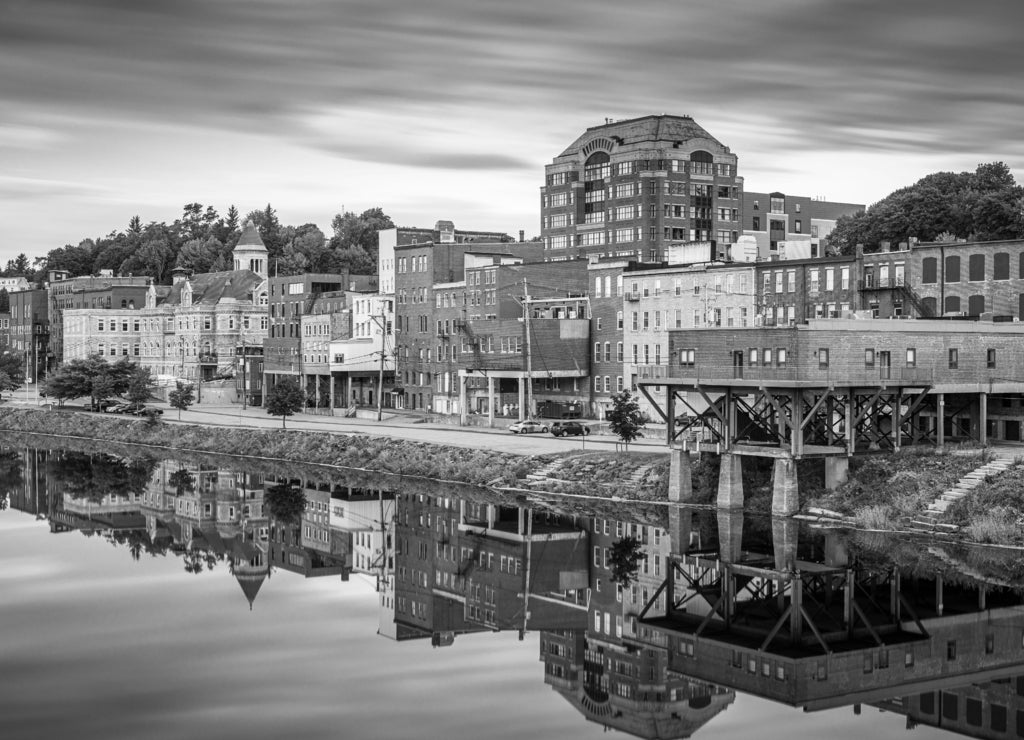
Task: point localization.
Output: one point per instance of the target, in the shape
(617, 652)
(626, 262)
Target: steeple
(251, 253)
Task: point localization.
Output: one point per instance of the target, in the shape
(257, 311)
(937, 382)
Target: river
(172, 598)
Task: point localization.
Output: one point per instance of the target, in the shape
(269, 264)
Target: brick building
(419, 268)
(30, 332)
(103, 291)
(791, 226)
(631, 188)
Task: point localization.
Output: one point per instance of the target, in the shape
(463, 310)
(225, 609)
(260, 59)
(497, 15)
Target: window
(976, 268)
(798, 226)
(869, 358)
(686, 357)
(756, 224)
(952, 269)
(929, 267)
(975, 305)
(780, 357)
(822, 358)
(618, 320)
(990, 358)
(954, 358)
(911, 357)
(1001, 266)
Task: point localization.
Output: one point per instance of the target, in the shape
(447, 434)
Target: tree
(354, 243)
(140, 385)
(983, 205)
(90, 376)
(12, 371)
(183, 396)
(285, 398)
(285, 502)
(625, 419)
(625, 557)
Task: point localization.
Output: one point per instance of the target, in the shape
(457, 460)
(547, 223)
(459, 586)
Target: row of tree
(202, 240)
(984, 205)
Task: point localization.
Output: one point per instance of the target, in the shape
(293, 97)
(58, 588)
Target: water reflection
(721, 606)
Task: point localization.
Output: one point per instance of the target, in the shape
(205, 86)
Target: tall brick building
(632, 188)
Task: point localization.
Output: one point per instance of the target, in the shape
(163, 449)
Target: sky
(450, 109)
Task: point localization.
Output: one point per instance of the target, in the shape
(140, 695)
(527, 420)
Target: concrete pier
(680, 477)
(785, 490)
(730, 482)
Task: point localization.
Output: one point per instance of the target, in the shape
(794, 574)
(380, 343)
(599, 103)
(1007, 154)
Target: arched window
(976, 305)
(929, 305)
(701, 163)
(952, 304)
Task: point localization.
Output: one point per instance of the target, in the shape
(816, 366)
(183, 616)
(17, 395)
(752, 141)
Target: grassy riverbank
(884, 489)
(381, 454)
(609, 473)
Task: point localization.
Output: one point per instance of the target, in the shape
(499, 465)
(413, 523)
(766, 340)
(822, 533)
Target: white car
(528, 426)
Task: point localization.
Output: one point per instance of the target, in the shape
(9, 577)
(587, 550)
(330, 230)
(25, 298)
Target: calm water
(145, 598)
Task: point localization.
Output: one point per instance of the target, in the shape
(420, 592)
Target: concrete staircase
(929, 520)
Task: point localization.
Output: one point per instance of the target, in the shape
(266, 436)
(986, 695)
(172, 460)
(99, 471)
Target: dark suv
(569, 428)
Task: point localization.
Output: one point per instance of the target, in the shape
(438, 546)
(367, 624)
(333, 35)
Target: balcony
(632, 297)
(870, 282)
(208, 358)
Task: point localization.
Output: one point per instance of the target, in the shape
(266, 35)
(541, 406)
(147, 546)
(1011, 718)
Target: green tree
(284, 399)
(625, 419)
(285, 502)
(270, 230)
(5, 301)
(624, 558)
(183, 396)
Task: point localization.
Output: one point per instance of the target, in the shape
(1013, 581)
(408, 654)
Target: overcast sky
(450, 108)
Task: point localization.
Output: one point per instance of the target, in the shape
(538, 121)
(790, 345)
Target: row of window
(976, 268)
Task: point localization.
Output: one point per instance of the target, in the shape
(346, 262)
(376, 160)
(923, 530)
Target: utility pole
(529, 355)
(382, 322)
(245, 369)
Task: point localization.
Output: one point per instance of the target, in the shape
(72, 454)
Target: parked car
(569, 429)
(118, 407)
(105, 405)
(141, 409)
(528, 426)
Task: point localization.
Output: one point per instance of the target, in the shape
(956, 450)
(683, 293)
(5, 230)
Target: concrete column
(785, 535)
(785, 491)
(332, 393)
(730, 482)
(490, 401)
(837, 470)
(348, 390)
(983, 419)
(463, 405)
(523, 413)
(940, 420)
(730, 535)
(680, 524)
(680, 479)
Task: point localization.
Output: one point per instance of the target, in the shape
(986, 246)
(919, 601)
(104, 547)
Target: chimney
(522, 235)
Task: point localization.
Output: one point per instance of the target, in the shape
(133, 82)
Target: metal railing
(831, 374)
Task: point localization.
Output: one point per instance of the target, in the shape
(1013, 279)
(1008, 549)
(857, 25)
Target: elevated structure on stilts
(827, 388)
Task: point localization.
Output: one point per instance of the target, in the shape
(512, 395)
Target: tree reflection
(94, 476)
(11, 475)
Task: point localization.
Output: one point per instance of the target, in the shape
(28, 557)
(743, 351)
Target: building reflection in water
(721, 603)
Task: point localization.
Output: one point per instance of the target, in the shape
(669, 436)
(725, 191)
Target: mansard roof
(211, 287)
(651, 130)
